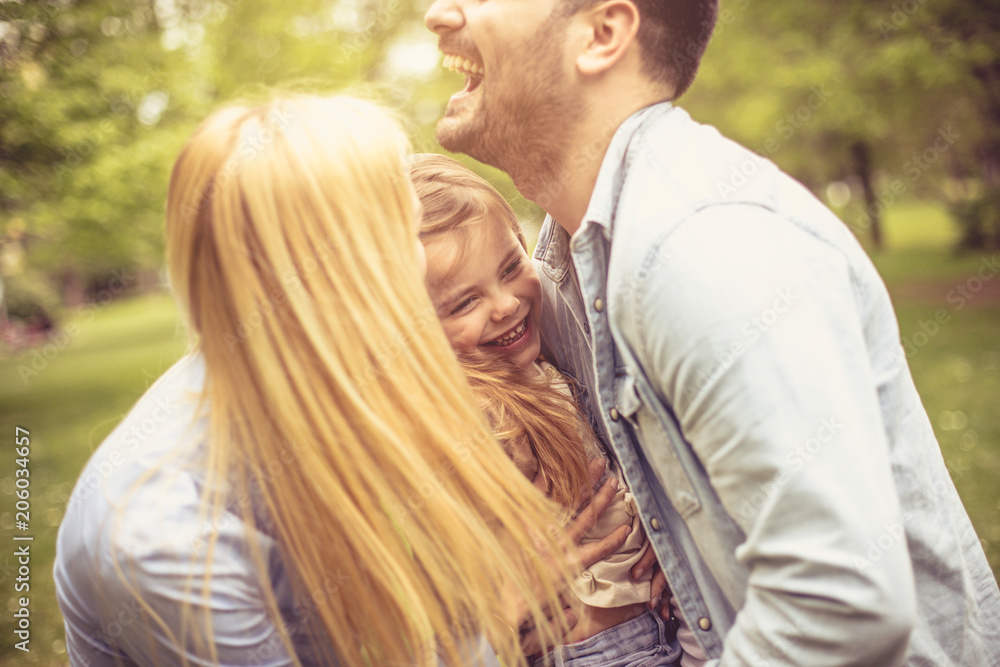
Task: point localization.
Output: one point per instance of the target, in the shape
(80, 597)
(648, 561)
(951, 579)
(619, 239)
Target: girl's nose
(507, 305)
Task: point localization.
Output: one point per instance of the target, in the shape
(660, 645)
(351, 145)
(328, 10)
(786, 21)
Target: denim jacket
(739, 353)
(132, 545)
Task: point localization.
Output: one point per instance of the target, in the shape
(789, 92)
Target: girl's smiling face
(485, 291)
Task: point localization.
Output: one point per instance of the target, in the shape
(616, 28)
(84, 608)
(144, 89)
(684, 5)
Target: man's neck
(564, 189)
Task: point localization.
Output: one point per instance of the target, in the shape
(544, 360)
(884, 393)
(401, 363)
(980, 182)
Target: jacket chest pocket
(659, 446)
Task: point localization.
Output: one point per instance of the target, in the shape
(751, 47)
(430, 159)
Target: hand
(578, 557)
(658, 584)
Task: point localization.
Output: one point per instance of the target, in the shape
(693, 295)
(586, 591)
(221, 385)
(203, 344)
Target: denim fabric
(641, 642)
(740, 355)
(137, 505)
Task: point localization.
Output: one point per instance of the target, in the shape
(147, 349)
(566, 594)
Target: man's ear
(611, 29)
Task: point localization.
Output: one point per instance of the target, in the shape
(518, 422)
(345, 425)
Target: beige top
(608, 583)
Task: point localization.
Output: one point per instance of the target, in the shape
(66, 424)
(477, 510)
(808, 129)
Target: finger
(584, 521)
(531, 640)
(645, 563)
(590, 553)
(666, 610)
(656, 588)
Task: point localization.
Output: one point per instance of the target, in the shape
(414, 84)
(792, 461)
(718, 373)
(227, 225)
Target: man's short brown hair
(673, 35)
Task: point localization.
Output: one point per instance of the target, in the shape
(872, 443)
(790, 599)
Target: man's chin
(453, 134)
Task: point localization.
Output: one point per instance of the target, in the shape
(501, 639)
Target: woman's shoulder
(140, 488)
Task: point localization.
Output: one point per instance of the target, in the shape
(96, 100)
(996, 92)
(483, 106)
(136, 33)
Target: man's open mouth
(473, 72)
(512, 336)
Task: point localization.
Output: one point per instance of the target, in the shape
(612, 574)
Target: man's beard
(523, 128)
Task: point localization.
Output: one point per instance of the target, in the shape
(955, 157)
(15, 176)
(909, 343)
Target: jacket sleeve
(171, 620)
(752, 333)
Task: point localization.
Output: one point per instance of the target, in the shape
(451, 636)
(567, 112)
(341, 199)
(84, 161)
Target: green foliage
(804, 84)
(31, 295)
(97, 96)
(980, 221)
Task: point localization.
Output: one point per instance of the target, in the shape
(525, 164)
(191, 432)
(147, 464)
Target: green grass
(82, 392)
(957, 368)
(75, 399)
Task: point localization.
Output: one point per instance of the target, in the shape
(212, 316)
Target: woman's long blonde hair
(290, 237)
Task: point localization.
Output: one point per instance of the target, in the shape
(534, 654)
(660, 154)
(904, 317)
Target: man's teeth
(513, 335)
(463, 66)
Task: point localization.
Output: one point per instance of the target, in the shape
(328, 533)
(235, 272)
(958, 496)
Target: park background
(888, 110)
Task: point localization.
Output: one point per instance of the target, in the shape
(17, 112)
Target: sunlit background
(887, 110)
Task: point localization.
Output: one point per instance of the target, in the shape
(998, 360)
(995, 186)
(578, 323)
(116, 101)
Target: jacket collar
(553, 245)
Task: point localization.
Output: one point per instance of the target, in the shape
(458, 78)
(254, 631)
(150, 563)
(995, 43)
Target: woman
(314, 482)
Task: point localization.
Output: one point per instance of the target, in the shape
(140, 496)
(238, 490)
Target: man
(737, 348)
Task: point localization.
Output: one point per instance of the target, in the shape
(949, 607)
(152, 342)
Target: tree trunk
(863, 168)
(73, 294)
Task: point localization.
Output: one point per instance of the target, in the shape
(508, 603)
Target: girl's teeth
(514, 334)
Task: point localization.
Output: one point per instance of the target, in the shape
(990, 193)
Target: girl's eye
(513, 267)
(462, 306)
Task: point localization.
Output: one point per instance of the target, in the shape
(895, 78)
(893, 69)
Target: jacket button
(654, 523)
(614, 414)
(704, 624)
(599, 305)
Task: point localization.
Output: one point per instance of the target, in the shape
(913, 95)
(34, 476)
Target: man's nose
(444, 15)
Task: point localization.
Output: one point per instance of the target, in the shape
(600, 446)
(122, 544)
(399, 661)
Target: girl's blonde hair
(527, 414)
(290, 240)
(530, 416)
(454, 197)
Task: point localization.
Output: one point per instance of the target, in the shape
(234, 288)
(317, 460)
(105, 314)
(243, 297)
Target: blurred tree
(82, 88)
(885, 97)
(97, 96)
(870, 93)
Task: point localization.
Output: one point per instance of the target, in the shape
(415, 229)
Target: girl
(255, 507)
(488, 298)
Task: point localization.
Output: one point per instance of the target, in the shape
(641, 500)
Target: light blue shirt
(740, 354)
(133, 542)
